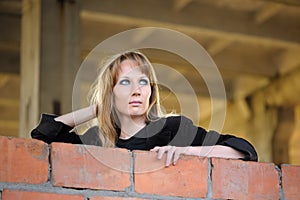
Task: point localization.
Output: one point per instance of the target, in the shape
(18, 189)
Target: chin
(136, 111)
(136, 114)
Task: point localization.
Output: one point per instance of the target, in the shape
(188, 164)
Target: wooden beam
(217, 46)
(287, 2)
(288, 61)
(187, 29)
(11, 7)
(8, 102)
(10, 46)
(245, 85)
(284, 90)
(180, 4)
(230, 17)
(267, 12)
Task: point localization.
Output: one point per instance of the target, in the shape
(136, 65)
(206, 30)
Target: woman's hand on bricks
(173, 153)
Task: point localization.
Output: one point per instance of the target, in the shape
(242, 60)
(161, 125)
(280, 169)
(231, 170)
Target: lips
(135, 102)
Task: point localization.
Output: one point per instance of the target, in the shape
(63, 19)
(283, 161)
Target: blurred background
(254, 43)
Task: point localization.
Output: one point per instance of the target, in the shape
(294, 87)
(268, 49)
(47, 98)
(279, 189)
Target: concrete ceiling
(253, 42)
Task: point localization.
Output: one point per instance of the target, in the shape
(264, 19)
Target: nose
(136, 90)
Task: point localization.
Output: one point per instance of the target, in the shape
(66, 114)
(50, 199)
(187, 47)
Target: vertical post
(282, 134)
(51, 56)
(60, 54)
(30, 62)
(71, 58)
(50, 59)
(263, 126)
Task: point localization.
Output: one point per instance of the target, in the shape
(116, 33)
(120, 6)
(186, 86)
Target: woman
(125, 101)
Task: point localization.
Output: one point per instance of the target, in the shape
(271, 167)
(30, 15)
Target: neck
(131, 125)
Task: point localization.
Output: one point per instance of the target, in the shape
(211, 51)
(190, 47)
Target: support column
(51, 58)
(60, 54)
(51, 68)
(72, 57)
(282, 134)
(30, 63)
(262, 125)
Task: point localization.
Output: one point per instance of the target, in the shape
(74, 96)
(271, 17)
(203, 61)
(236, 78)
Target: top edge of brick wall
(91, 167)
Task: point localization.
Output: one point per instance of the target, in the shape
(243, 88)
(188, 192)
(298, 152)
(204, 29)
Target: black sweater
(175, 130)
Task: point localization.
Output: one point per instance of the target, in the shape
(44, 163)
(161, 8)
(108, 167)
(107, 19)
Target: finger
(176, 156)
(170, 154)
(161, 152)
(155, 149)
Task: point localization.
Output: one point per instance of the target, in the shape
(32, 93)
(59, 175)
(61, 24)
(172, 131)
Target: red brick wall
(31, 169)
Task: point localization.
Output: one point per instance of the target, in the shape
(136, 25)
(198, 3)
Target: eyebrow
(143, 76)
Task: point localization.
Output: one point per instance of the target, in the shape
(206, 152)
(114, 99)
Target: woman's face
(132, 90)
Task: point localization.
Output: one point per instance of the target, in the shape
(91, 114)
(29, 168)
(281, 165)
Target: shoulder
(174, 122)
(177, 119)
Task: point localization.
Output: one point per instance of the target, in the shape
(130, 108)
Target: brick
(25, 195)
(114, 198)
(23, 160)
(84, 166)
(291, 181)
(236, 179)
(187, 179)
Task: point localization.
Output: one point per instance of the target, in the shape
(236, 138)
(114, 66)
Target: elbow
(244, 147)
(34, 134)
(37, 135)
(250, 156)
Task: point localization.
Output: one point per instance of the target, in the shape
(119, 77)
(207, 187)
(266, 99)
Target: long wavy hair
(101, 94)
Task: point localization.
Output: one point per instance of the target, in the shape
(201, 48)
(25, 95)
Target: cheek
(147, 93)
(120, 93)
(118, 99)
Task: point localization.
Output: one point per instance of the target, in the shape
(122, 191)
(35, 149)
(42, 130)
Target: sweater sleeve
(198, 136)
(214, 138)
(49, 130)
(241, 145)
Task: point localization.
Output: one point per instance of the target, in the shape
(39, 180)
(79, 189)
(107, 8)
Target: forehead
(129, 67)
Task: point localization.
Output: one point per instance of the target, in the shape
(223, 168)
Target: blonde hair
(101, 94)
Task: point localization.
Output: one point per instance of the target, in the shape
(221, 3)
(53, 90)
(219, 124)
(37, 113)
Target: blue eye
(124, 82)
(144, 82)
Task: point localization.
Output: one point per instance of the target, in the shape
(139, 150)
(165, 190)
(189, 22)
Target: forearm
(79, 116)
(215, 151)
(173, 152)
